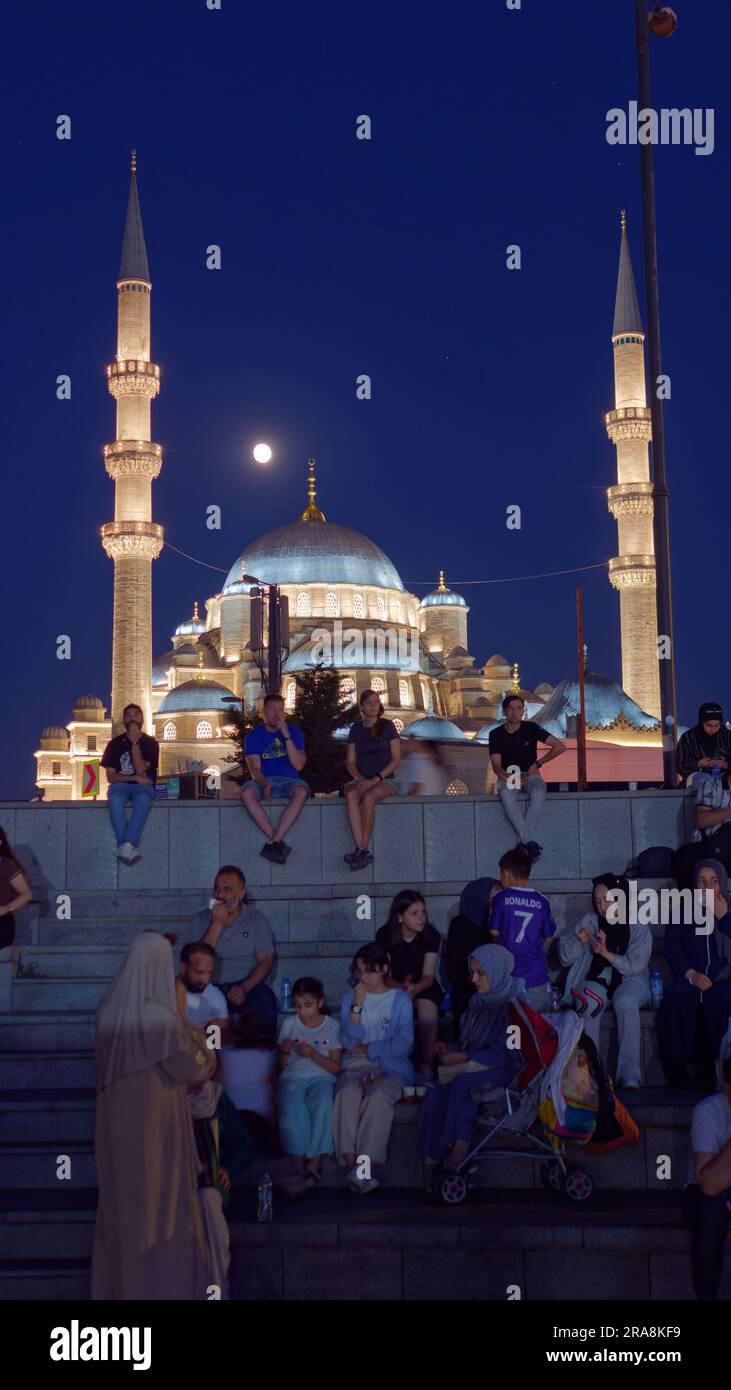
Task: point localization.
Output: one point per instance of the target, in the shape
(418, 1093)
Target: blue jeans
(306, 1114)
(141, 797)
(282, 787)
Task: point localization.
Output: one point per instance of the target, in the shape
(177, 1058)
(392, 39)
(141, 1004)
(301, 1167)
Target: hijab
(137, 1022)
(617, 933)
(475, 899)
(718, 870)
(485, 1016)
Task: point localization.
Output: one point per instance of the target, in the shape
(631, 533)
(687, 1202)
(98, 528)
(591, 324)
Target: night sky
(343, 257)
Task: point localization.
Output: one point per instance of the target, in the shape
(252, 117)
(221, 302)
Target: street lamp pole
(661, 526)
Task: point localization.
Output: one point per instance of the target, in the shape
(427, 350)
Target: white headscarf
(137, 1022)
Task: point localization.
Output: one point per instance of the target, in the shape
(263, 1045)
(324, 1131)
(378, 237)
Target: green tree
(242, 722)
(318, 712)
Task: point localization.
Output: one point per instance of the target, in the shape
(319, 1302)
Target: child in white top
(309, 1058)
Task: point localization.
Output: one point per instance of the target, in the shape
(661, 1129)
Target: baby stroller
(531, 1109)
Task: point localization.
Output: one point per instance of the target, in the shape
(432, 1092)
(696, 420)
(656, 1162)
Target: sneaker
(284, 851)
(360, 1185)
(349, 858)
(128, 853)
(535, 851)
(361, 859)
(409, 1095)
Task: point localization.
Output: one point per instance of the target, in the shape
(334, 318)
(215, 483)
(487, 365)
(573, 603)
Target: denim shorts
(282, 787)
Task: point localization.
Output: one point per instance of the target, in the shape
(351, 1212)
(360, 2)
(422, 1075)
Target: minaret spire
(133, 265)
(312, 511)
(632, 571)
(133, 540)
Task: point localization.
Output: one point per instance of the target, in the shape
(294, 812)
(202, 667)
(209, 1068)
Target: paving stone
(586, 1276)
(324, 1274)
(464, 1274)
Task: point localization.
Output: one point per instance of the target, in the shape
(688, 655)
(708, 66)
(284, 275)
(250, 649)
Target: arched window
(381, 606)
(347, 690)
(303, 606)
(290, 694)
(204, 729)
(358, 606)
(404, 692)
(170, 731)
(398, 725)
(379, 685)
(331, 605)
(426, 696)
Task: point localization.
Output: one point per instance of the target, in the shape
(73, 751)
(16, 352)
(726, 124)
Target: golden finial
(516, 682)
(623, 221)
(199, 672)
(195, 611)
(133, 161)
(312, 511)
(442, 588)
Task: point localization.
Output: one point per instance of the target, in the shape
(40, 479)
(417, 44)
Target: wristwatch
(356, 1009)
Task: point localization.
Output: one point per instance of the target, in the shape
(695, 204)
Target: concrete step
(34, 1031)
(113, 932)
(29, 1071)
(44, 1280)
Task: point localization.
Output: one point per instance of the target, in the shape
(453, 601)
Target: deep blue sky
(339, 257)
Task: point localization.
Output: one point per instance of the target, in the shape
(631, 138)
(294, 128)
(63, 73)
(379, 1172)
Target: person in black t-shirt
(513, 749)
(413, 946)
(373, 754)
(131, 760)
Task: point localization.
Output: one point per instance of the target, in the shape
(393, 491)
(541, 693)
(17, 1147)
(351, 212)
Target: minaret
(132, 540)
(632, 572)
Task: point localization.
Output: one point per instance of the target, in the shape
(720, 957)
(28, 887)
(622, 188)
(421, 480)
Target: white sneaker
(360, 1185)
(127, 853)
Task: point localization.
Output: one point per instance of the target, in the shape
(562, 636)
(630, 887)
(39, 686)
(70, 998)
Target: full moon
(262, 453)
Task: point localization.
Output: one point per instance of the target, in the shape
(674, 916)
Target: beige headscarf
(137, 1022)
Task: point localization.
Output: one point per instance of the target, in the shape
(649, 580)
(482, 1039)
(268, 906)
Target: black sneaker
(361, 859)
(350, 858)
(284, 851)
(535, 851)
(271, 852)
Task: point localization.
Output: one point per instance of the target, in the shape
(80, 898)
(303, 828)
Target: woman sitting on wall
(696, 1005)
(373, 755)
(413, 946)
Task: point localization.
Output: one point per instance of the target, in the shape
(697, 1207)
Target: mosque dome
(605, 703)
(88, 709)
(56, 732)
(442, 597)
(88, 702)
(193, 626)
(196, 695)
(161, 666)
(312, 550)
(433, 726)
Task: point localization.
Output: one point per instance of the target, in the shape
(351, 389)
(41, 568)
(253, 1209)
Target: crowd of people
(200, 1073)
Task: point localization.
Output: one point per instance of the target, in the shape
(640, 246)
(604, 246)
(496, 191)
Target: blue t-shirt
(523, 919)
(269, 745)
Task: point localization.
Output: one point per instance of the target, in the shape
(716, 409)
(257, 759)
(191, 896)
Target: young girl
(377, 1027)
(373, 755)
(413, 947)
(309, 1058)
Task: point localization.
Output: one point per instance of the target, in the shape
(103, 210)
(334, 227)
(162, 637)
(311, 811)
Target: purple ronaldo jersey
(523, 919)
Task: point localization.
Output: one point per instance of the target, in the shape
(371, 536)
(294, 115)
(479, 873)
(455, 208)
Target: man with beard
(204, 1002)
(131, 760)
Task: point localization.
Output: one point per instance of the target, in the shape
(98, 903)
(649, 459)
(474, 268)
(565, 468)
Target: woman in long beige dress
(149, 1241)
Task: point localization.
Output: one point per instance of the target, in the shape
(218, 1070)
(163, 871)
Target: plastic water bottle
(266, 1206)
(285, 996)
(656, 989)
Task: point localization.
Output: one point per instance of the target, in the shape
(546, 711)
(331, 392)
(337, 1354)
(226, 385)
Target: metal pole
(660, 492)
(273, 672)
(581, 722)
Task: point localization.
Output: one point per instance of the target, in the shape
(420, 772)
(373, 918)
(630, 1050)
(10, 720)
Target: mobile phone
(213, 902)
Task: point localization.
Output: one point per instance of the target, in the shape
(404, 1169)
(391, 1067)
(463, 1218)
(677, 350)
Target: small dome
(605, 702)
(88, 702)
(433, 726)
(160, 667)
(442, 597)
(56, 731)
(483, 734)
(193, 625)
(196, 695)
(497, 660)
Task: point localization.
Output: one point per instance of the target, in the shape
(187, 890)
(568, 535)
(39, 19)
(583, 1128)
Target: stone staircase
(629, 1236)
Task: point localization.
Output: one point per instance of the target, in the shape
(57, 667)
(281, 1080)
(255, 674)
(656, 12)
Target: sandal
(312, 1176)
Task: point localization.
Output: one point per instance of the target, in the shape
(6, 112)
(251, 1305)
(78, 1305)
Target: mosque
(341, 583)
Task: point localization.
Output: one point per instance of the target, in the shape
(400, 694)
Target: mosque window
(378, 684)
(426, 696)
(331, 605)
(358, 606)
(170, 732)
(55, 769)
(347, 690)
(457, 787)
(398, 725)
(290, 694)
(91, 743)
(303, 608)
(381, 606)
(204, 729)
(404, 692)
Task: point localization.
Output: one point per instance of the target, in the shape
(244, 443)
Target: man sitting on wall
(131, 760)
(275, 757)
(513, 747)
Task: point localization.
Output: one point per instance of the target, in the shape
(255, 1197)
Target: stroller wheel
(552, 1176)
(578, 1185)
(450, 1187)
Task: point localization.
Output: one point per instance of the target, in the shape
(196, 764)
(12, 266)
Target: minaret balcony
(632, 572)
(133, 456)
(629, 422)
(138, 539)
(630, 499)
(133, 377)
